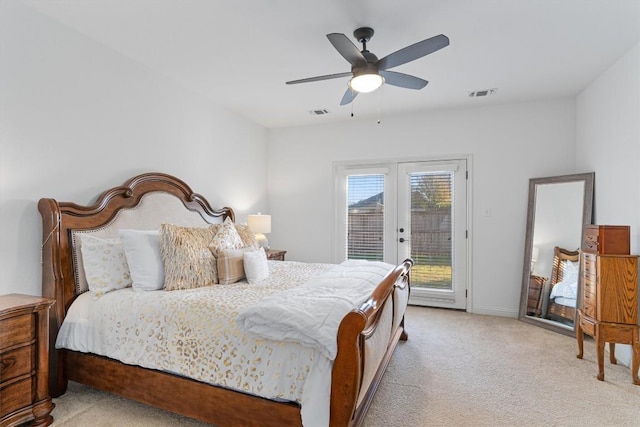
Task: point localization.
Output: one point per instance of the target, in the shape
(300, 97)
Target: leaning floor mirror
(558, 209)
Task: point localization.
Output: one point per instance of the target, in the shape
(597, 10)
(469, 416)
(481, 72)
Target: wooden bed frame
(350, 398)
(558, 310)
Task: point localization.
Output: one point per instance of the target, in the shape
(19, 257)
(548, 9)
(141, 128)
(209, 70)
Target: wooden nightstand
(24, 360)
(275, 254)
(534, 298)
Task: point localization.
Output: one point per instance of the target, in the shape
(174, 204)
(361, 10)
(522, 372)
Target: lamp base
(262, 241)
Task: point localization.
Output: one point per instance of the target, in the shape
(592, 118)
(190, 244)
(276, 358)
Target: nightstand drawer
(16, 362)
(16, 396)
(17, 330)
(275, 254)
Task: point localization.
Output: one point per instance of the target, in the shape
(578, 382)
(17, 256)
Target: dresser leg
(612, 353)
(635, 359)
(579, 339)
(600, 350)
(42, 413)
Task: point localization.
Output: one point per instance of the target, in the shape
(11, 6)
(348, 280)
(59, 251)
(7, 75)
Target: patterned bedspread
(193, 333)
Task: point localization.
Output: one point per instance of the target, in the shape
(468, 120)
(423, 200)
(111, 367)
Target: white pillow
(142, 248)
(256, 267)
(570, 270)
(105, 264)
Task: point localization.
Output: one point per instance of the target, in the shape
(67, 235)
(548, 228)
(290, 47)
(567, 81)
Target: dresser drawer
(589, 304)
(607, 239)
(589, 284)
(16, 396)
(16, 362)
(589, 261)
(17, 330)
(588, 326)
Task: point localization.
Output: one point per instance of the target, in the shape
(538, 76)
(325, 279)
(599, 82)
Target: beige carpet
(456, 369)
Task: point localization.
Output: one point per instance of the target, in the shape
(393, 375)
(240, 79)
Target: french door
(389, 212)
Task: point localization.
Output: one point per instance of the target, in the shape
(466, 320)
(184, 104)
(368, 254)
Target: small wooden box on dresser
(24, 360)
(609, 294)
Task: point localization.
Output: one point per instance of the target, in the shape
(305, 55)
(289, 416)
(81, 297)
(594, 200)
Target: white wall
(608, 141)
(509, 144)
(77, 118)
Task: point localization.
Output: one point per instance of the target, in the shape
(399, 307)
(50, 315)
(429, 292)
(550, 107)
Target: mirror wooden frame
(587, 215)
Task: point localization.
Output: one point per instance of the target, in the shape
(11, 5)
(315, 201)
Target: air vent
(485, 92)
(319, 112)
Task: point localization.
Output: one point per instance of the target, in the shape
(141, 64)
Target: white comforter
(310, 314)
(194, 333)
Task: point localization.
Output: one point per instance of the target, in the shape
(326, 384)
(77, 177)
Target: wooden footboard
(367, 335)
(350, 395)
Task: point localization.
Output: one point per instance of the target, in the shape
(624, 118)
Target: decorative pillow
(231, 265)
(142, 248)
(226, 238)
(105, 264)
(188, 261)
(256, 266)
(247, 235)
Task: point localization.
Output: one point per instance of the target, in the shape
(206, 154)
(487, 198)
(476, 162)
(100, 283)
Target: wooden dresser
(609, 296)
(24, 360)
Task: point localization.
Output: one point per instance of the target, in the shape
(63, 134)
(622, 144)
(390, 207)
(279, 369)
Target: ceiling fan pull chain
(379, 106)
(351, 103)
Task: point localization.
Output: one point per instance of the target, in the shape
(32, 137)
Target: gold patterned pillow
(226, 238)
(188, 262)
(231, 265)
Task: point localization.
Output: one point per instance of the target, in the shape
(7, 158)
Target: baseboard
(493, 311)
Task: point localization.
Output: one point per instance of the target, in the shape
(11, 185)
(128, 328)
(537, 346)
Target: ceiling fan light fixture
(365, 83)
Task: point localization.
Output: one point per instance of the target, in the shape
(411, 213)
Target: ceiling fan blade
(318, 78)
(403, 80)
(413, 52)
(346, 48)
(349, 96)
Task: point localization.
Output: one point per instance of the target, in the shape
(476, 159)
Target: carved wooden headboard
(144, 201)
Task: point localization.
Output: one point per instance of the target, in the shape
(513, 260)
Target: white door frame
(343, 168)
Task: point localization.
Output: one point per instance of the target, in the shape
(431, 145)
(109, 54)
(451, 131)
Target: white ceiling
(241, 52)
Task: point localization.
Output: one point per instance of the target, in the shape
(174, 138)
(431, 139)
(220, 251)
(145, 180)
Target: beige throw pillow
(188, 262)
(231, 265)
(247, 235)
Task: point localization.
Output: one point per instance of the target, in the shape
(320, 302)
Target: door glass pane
(365, 217)
(431, 229)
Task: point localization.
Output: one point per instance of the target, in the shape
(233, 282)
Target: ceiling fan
(368, 72)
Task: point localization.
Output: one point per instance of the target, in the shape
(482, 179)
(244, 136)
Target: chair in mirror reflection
(558, 209)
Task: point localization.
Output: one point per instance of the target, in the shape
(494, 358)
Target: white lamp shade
(259, 223)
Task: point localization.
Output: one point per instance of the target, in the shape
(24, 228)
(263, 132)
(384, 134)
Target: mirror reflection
(558, 209)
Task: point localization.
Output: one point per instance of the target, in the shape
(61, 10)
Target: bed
(364, 342)
(564, 285)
